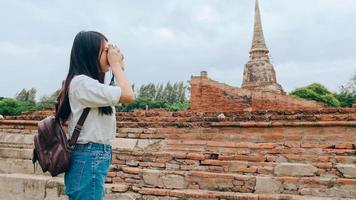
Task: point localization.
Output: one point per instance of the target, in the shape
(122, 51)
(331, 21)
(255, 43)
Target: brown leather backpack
(52, 149)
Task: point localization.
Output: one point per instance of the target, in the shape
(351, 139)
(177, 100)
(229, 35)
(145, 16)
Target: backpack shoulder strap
(78, 127)
(56, 105)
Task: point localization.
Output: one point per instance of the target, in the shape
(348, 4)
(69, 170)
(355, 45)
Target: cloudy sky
(170, 40)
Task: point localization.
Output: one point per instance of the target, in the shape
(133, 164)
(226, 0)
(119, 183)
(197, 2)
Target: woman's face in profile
(103, 57)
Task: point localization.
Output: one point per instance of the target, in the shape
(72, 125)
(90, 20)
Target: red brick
(338, 138)
(116, 161)
(292, 144)
(241, 169)
(310, 145)
(345, 159)
(210, 175)
(344, 146)
(290, 180)
(118, 180)
(311, 137)
(119, 188)
(153, 191)
(271, 158)
(307, 157)
(194, 148)
(238, 183)
(222, 162)
(187, 142)
(131, 170)
(250, 158)
(195, 156)
(340, 151)
(151, 164)
(179, 155)
(221, 144)
(273, 137)
(293, 137)
(277, 150)
(344, 181)
(263, 170)
(262, 145)
(111, 174)
(323, 165)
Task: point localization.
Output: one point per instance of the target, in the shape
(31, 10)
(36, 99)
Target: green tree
(27, 95)
(159, 92)
(133, 87)
(179, 106)
(151, 91)
(170, 97)
(25, 102)
(316, 92)
(9, 106)
(347, 93)
(175, 93)
(47, 102)
(167, 92)
(181, 92)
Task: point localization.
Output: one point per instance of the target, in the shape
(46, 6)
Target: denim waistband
(92, 146)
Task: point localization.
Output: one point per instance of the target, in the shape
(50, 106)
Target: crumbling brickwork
(209, 95)
(179, 155)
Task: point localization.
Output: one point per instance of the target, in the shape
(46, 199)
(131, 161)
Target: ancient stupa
(259, 74)
(259, 90)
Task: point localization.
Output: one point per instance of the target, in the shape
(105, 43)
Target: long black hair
(84, 59)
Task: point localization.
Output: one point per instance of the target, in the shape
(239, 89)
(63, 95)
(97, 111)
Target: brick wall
(286, 154)
(210, 95)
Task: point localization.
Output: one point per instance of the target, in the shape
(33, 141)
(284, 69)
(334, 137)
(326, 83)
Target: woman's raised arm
(116, 61)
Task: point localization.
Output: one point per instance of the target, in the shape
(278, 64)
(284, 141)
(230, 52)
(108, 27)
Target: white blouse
(85, 92)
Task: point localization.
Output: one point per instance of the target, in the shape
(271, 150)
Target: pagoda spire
(259, 73)
(258, 41)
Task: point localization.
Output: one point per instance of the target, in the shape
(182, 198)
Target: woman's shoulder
(81, 80)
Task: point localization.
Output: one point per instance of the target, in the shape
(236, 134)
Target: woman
(85, 86)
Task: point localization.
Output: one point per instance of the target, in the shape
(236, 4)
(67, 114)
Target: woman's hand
(116, 61)
(115, 57)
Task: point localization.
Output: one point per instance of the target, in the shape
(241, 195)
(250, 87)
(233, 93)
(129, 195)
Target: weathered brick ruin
(253, 143)
(196, 155)
(210, 95)
(259, 91)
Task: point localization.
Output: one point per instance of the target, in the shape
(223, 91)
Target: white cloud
(331, 73)
(206, 14)
(165, 33)
(310, 41)
(230, 76)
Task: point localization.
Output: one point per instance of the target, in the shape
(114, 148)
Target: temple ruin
(259, 90)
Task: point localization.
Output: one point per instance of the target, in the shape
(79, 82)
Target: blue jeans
(89, 165)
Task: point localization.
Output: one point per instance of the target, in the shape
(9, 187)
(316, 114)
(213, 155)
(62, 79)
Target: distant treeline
(171, 97)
